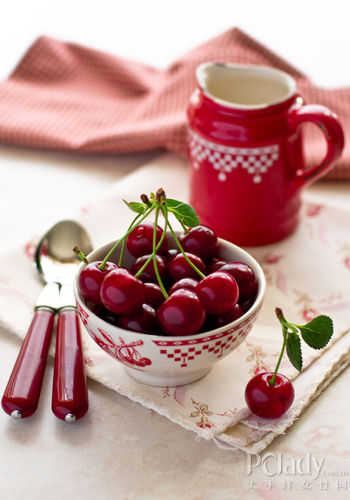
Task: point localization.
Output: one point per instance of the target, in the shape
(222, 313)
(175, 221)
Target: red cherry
(224, 319)
(247, 304)
(143, 320)
(218, 293)
(95, 309)
(245, 278)
(179, 268)
(269, 401)
(121, 292)
(215, 264)
(90, 281)
(181, 314)
(140, 240)
(185, 283)
(108, 316)
(200, 241)
(154, 295)
(149, 273)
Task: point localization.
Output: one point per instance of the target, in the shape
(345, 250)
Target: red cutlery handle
(69, 394)
(22, 392)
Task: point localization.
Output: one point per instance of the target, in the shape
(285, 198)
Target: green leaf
(294, 350)
(183, 212)
(317, 332)
(135, 206)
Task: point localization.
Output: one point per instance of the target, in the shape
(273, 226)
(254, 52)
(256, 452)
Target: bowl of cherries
(168, 304)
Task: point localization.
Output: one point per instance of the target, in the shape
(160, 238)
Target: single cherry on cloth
(90, 281)
(245, 277)
(140, 240)
(153, 295)
(201, 241)
(218, 293)
(149, 273)
(179, 267)
(121, 292)
(144, 320)
(269, 401)
(184, 283)
(181, 314)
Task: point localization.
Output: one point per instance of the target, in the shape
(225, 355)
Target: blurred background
(313, 36)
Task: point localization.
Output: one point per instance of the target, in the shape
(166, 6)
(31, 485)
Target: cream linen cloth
(307, 274)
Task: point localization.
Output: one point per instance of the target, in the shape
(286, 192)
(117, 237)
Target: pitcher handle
(328, 122)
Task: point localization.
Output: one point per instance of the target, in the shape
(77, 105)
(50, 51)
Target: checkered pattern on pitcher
(224, 159)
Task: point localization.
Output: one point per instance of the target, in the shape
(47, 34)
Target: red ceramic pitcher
(245, 150)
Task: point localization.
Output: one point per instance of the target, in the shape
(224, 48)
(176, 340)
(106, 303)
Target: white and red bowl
(170, 360)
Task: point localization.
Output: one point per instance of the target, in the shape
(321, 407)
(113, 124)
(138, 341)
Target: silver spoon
(56, 263)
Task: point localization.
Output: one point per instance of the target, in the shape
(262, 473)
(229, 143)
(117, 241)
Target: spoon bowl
(54, 256)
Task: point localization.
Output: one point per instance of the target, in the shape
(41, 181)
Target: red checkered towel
(66, 97)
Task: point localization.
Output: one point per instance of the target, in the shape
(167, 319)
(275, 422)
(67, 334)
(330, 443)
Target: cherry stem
(183, 252)
(121, 256)
(285, 325)
(186, 231)
(140, 271)
(155, 256)
(102, 266)
(81, 255)
(284, 322)
(272, 380)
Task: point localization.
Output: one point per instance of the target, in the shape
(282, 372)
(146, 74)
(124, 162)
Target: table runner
(64, 96)
(306, 275)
